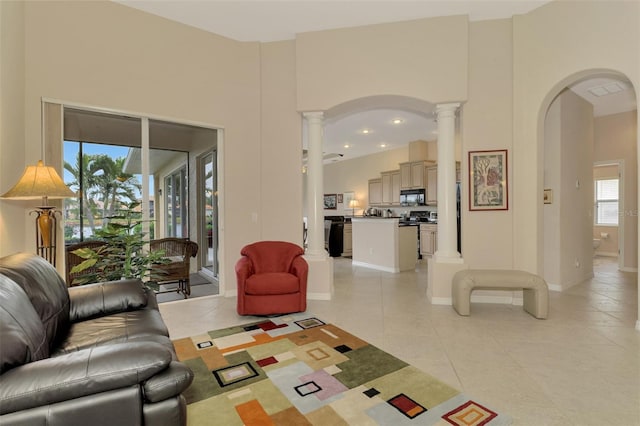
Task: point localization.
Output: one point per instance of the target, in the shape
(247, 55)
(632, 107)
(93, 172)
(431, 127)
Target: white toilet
(596, 244)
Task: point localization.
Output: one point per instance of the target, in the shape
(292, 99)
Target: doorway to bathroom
(608, 208)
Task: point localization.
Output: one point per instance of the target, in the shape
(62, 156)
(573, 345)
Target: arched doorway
(588, 118)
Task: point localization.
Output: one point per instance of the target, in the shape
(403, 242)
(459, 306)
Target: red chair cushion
(272, 283)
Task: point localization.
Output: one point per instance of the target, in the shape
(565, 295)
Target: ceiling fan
(325, 157)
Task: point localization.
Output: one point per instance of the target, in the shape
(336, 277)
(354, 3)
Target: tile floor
(579, 367)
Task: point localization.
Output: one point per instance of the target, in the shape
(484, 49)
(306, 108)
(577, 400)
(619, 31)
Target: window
(176, 204)
(606, 205)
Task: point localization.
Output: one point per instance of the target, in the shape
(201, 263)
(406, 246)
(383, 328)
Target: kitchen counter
(384, 244)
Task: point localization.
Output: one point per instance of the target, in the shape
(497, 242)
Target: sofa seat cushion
(115, 328)
(272, 283)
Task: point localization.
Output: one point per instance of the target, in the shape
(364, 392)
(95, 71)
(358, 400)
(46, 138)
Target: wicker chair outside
(72, 260)
(179, 251)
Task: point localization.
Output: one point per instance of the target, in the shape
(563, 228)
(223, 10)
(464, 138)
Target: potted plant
(123, 254)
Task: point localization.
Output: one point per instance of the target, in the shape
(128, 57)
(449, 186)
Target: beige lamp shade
(39, 181)
(354, 204)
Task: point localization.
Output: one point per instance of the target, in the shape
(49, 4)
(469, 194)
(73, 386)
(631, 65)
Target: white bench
(536, 293)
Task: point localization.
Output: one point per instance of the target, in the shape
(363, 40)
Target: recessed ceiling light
(365, 131)
(383, 145)
(346, 145)
(398, 121)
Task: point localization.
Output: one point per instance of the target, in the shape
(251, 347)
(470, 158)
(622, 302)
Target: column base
(450, 257)
(439, 275)
(320, 278)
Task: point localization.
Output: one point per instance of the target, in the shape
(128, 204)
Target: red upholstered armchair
(272, 279)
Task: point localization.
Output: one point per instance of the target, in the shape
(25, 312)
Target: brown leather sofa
(97, 354)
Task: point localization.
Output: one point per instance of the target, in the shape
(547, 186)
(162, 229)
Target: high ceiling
(273, 20)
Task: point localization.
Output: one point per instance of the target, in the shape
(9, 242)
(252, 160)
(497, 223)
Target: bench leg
(536, 302)
(461, 300)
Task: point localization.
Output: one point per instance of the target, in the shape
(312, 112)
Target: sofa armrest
(168, 383)
(99, 299)
(81, 373)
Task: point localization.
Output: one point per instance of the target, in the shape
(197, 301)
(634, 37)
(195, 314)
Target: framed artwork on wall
(330, 201)
(488, 180)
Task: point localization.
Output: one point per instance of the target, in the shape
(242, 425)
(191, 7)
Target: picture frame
(330, 201)
(488, 180)
(548, 196)
(339, 198)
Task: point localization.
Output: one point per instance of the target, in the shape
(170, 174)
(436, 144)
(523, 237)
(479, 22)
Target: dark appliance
(334, 235)
(412, 197)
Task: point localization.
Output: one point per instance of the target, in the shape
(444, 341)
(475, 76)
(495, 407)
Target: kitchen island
(383, 244)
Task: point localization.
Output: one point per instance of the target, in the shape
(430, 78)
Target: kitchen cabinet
(347, 240)
(375, 191)
(432, 185)
(428, 239)
(395, 187)
(391, 187)
(412, 174)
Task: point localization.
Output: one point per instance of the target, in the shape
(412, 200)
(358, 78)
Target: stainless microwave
(412, 197)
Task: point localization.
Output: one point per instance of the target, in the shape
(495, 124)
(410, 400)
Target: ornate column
(320, 278)
(447, 224)
(315, 217)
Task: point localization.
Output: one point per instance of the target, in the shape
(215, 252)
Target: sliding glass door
(209, 210)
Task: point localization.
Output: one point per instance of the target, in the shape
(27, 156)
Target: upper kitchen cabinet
(432, 182)
(391, 187)
(375, 191)
(432, 185)
(412, 174)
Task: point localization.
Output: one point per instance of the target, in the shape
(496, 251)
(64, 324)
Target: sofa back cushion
(46, 291)
(22, 336)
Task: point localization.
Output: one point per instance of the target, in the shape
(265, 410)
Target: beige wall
(487, 240)
(74, 53)
(507, 71)
(568, 162)
(615, 139)
(281, 149)
(424, 59)
(576, 203)
(13, 217)
(551, 51)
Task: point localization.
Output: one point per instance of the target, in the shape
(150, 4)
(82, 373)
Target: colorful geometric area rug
(298, 370)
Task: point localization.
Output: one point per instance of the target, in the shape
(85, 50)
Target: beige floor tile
(579, 367)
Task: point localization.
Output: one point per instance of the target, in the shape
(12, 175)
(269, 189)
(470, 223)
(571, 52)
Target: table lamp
(42, 181)
(353, 205)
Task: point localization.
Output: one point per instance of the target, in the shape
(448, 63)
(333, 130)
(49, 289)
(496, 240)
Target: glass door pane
(209, 214)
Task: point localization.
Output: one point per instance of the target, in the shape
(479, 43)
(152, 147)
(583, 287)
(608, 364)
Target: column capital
(450, 107)
(313, 115)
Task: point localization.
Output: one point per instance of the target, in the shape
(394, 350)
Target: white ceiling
(273, 20)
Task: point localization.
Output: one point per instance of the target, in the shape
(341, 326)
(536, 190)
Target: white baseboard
(504, 300)
(318, 296)
(606, 253)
